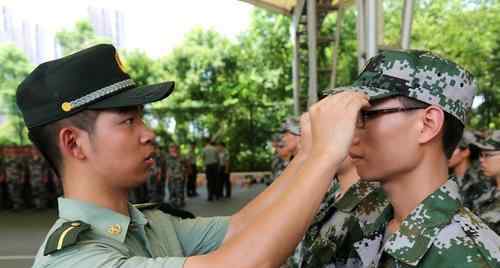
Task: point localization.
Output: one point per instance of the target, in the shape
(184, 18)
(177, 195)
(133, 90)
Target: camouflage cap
(468, 139)
(419, 75)
(292, 125)
(276, 137)
(491, 143)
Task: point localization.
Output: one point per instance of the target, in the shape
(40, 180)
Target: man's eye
(129, 121)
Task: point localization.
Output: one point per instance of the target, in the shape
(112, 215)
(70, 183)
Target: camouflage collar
(419, 230)
(354, 195)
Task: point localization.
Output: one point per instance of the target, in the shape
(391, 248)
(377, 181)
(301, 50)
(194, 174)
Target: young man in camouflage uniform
(464, 164)
(287, 145)
(15, 176)
(175, 176)
(419, 103)
(489, 202)
(38, 179)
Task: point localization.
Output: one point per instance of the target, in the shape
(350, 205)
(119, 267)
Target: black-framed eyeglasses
(488, 154)
(370, 114)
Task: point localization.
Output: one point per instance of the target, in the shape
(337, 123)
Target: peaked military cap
(93, 78)
(491, 143)
(419, 75)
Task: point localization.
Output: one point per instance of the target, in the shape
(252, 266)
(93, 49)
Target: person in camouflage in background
(276, 159)
(38, 170)
(419, 103)
(464, 164)
(175, 176)
(488, 208)
(286, 146)
(15, 176)
(155, 185)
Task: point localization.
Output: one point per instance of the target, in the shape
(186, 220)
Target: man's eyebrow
(130, 109)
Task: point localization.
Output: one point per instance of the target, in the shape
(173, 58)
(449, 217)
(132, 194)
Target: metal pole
(371, 28)
(312, 45)
(336, 49)
(295, 63)
(360, 31)
(407, 19)
(380, 23)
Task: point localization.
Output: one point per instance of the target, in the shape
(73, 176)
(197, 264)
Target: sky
(155, 26)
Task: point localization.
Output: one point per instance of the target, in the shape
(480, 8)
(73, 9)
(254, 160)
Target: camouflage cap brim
(492, 143)
(372, 92)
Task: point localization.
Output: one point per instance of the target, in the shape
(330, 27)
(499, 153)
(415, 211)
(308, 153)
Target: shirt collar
(354, 195)
(104, 221)
(419, 230)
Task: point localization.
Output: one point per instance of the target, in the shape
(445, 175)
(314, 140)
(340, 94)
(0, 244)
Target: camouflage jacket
(324, 210)
(438, 233)
(175, 167)
(489, 209)
(331, 227)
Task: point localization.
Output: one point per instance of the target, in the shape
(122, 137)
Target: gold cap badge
(66, 106)
(115, 229)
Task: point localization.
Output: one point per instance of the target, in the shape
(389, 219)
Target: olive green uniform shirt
(146, 238)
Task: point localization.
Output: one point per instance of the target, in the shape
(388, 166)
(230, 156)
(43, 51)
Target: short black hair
(45, 137)
(452, 127)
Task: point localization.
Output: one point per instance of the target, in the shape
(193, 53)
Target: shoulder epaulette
(64, 236)
(144, 206)
(180, 213)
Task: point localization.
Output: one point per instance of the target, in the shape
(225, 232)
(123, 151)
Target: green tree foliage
(239, 90)
(13, 68)
(82, 36)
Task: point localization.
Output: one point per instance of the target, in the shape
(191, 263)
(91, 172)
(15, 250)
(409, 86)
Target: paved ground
(22, 233)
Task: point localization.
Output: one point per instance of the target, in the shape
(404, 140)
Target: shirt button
(115, 229)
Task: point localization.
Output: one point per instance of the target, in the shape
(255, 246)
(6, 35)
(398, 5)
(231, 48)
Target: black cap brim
(136, 96)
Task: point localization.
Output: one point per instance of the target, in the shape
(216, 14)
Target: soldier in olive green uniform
(365, 227)
(488, 208)
(175, 175)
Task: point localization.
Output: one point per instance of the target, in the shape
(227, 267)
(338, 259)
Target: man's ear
(70, 142)
(466, 152)
(432, 121)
